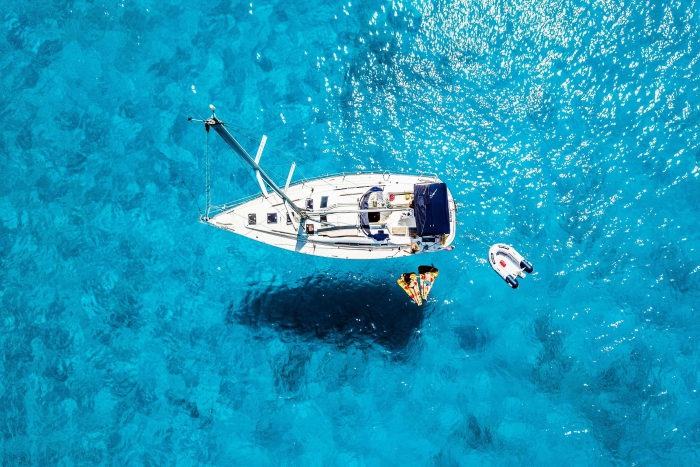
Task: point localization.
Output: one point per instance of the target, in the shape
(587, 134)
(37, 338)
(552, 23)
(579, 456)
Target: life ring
(508, 263)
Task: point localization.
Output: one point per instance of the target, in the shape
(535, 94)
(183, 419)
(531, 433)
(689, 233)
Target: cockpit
(423, 213)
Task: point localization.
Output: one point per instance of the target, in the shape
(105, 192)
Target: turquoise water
(133, 335)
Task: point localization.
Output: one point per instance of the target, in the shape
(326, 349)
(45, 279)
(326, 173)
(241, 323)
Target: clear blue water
(133, 335)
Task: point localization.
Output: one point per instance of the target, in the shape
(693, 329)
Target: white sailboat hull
(338, 234)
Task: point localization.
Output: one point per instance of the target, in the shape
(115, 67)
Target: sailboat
(365, 215)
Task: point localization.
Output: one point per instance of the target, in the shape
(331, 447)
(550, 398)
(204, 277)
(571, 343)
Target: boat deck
(333, 229)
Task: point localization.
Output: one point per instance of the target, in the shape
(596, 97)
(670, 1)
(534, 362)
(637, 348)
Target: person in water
(414, 249)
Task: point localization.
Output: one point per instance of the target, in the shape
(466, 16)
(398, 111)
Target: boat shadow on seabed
(338, 310)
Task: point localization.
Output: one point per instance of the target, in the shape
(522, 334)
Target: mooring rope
(473, 237)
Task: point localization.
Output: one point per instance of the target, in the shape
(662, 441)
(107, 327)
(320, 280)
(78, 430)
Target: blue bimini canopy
(431, 209)
(364, 216)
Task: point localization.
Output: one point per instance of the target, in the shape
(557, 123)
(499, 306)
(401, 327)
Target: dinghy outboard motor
(509, 264)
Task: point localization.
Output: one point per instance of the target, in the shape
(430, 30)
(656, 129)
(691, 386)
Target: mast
(219, 127)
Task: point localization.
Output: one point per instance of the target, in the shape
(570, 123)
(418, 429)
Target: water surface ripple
(133, 335)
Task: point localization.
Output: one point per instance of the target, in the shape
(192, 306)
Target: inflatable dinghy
(508, 263)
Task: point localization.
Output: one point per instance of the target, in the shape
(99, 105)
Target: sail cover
(431, 209)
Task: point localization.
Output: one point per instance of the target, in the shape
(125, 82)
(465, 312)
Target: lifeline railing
(218, 209)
